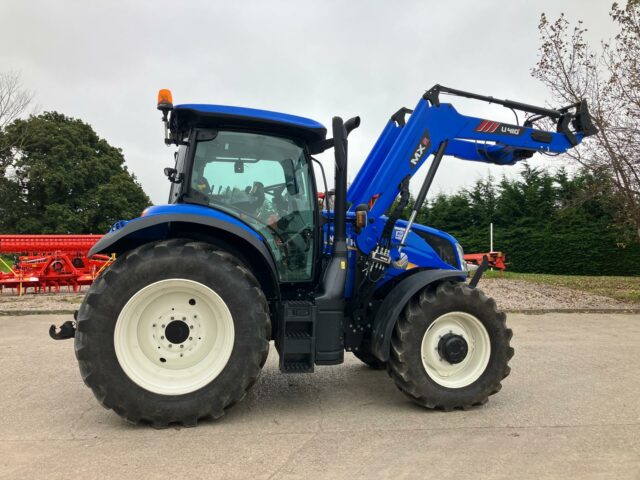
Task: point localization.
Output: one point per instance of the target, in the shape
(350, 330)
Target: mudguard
(395, 301)
(125, 236)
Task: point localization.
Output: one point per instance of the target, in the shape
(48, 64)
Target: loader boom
(404, 146)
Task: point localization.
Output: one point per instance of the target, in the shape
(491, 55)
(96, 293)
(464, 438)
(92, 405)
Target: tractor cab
(255, 166)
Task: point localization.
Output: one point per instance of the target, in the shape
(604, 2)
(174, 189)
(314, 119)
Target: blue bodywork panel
(220, 116)
(252, 113)
(186, 209)
(419, 252)
(189, 209)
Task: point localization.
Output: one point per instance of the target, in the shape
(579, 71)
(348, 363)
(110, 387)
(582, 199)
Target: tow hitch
(66, 330)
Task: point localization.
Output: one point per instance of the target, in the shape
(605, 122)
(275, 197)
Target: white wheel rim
(466, 372)
(155, 353)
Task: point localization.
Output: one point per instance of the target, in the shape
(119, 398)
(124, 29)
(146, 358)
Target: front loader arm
(403, 147)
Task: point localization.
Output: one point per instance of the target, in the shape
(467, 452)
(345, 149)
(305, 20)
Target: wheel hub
(453, 348)
(177, 332)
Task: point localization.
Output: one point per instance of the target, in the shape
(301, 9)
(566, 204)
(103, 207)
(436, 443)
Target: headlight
(463, 264)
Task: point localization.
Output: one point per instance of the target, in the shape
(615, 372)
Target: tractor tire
(172, 332)
(365, 356)
(450, 348)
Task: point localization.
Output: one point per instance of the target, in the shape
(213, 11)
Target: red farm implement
(495, 259)
(47, 263)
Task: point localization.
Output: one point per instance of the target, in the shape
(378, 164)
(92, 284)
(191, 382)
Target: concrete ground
(570, 409)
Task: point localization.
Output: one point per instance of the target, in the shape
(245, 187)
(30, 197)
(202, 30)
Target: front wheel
(450, 348)
(363, 353)
(173, 331)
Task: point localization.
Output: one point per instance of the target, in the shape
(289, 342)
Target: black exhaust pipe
(330, 303)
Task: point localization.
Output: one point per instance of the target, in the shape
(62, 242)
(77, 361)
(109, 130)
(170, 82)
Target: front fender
(395, 301)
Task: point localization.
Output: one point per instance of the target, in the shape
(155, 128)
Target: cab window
(264, 181)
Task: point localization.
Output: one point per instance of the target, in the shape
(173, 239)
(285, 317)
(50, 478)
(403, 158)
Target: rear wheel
(450, 348)
(174, 331)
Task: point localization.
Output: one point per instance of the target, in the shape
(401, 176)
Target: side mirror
(290, 176)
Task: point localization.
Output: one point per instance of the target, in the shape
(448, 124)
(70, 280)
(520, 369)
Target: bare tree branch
(610, 79)
(14, 98)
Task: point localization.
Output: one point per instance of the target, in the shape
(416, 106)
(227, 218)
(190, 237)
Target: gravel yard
(510, 294)
(11, 304)
(520, 295)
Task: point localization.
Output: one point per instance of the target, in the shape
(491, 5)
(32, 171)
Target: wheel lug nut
(190, 338)
(163, 325)
(191, 327)
(170, 345)
(181, 346)
(154, 325)
(184, 319)
(182, 354)
(161, 338)
(172, 318)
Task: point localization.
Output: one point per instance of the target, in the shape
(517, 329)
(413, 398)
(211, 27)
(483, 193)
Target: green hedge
(593, 250)
(546, 222)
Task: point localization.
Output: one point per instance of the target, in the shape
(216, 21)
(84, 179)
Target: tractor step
(296, 336)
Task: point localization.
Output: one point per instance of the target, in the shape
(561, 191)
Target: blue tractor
(178, 328)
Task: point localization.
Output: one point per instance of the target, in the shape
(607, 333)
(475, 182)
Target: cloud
(104, 63)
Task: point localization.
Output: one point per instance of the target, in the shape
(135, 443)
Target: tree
(483, 201)
(609, 77)
(526, 201)
(58, 176)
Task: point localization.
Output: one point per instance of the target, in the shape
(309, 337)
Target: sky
(103, 62)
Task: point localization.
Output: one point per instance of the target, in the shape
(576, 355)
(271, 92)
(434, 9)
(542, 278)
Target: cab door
(266, 182)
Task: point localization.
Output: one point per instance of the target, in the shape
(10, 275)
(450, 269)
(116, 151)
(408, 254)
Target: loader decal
(487, 126)
(421, 149)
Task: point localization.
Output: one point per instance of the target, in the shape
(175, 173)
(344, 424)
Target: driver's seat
(256, 198)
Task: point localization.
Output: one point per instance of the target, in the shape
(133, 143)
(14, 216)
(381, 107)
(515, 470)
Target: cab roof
(222, 116)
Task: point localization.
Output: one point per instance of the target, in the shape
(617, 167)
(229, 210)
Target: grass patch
(7, 261)
(625, 289)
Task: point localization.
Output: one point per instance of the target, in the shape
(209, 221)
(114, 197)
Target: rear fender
(395, 301)
(241, 241)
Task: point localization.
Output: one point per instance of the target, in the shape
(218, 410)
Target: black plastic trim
(393, 304)
(399, 116)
